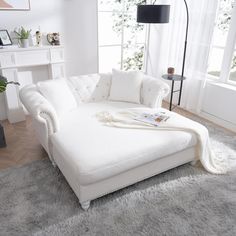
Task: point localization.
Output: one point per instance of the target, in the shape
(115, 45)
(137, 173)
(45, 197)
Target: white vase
(24, 43)
(39, 38)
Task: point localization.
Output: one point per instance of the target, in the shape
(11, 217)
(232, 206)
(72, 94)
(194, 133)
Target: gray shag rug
(35, 199)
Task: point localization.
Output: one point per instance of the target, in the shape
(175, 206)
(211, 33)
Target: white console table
(28, 65)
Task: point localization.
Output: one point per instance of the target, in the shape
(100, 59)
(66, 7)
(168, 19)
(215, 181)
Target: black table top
(173, 77)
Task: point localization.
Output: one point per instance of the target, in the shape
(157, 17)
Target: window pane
(133, 32)
(119, 35)
(109, 28)
(224, 15)
(220, 36)
(223, 22)
(109, 57)
(216, 58)
(133, 57)
(110, 5)
(232, 76)
(226, 5)
(131, 5)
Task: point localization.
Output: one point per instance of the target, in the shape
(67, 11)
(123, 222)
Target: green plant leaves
(2, 89)
(23, 33)
(4, 83)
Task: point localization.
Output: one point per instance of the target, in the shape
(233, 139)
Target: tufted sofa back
(90, 88)
(96, 88)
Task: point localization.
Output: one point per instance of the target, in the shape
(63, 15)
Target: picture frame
(5, 39)
(15, 5)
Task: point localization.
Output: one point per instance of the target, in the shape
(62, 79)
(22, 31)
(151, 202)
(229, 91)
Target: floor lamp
(159, 14)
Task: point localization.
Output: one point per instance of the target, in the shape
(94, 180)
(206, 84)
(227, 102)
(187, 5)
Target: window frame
(229, 50)
(122, 44)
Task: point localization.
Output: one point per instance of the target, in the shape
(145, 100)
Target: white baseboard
(218, 121)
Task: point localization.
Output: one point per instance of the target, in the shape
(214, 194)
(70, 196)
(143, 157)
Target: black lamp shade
(153, 13)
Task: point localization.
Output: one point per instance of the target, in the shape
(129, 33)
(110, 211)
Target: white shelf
(49, 59)
(18, 49)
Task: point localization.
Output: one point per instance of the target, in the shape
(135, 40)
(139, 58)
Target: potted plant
(23, 36)
(3, 86)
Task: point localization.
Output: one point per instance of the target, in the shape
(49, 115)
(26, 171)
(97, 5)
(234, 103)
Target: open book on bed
(152, 118)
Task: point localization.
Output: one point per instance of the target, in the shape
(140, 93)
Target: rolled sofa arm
(39, 108)
(153, 91)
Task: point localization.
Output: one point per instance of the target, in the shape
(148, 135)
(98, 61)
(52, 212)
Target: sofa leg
(193, 163)
(85, 205)
(54, 164)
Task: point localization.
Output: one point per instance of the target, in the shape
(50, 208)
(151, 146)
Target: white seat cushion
(97, 152)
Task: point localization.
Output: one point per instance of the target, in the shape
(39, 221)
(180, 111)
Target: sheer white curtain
(169, 39)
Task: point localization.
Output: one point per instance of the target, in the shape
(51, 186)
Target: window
(122, 41)
(222, 60)
(232, 75)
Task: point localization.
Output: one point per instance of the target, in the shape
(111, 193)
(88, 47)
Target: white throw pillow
(126, 86)
(58, 94)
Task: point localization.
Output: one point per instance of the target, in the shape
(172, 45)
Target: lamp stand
(185, 48)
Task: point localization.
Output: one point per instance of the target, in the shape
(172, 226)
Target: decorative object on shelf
(23, 36)
(23, 5)
(38, 38)
(170, 70)
(160, 14)
(3, 86)
(173, 78)
(54, 38)
(5, 38)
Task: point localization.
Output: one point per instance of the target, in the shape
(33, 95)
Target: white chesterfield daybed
(96, 159)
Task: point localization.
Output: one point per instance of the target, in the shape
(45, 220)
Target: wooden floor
(22, 145)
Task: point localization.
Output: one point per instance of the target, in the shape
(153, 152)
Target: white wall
(76, 20)
(43, 13)
(218, 104)
(81, 37)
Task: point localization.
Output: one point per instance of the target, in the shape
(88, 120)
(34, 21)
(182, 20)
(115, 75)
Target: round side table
(174, 78)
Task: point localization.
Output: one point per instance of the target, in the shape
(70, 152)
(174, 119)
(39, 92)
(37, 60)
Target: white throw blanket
(125, 119)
